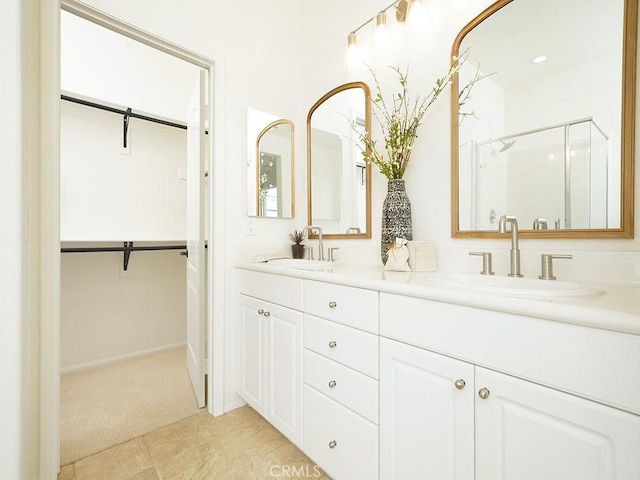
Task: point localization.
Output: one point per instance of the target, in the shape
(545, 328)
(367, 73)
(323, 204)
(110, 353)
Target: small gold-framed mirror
(338, 178)
(270, 166)
(552, 141)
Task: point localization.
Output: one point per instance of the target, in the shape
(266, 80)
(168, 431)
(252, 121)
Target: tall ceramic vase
(396, 216)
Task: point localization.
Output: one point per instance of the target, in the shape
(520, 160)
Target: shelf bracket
(126, 128)
(127, 253)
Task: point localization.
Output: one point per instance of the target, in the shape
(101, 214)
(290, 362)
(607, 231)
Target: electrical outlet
(250, 227)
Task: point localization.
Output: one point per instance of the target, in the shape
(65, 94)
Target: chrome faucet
(514, 270)
(310, 228)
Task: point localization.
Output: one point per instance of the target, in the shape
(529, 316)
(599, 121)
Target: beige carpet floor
(111, 404)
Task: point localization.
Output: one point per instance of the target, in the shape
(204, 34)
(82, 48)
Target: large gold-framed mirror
(270, 166)
(338, 178)
(552, 137)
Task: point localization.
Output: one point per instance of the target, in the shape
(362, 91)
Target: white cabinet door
(284, 371)
(426, 421)
(252, 339)
(528, 432)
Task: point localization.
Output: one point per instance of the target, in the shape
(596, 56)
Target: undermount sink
(300, 263)
(518, 287)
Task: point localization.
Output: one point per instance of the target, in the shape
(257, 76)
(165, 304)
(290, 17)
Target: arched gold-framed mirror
(338, 178)
(274, 168)
(270, 166)
(552, 140)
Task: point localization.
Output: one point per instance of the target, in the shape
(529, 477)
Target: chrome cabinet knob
(483, 393)
(460, 384)
(333, 344)
(332, 444)
(267, 313)
(332, 383)
(261, 311)
(333, 304)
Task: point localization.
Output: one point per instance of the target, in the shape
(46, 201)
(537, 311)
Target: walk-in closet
(124, 231)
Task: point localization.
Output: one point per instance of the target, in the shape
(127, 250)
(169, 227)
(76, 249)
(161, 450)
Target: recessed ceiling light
(539, 59)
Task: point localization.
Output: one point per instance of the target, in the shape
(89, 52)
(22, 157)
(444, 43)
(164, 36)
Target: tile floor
(236, 446)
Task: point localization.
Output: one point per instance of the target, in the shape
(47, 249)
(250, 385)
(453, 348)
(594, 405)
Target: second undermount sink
(511, 286)
(300, 263)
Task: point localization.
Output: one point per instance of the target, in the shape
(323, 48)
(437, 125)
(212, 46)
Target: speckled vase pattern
(396, 216)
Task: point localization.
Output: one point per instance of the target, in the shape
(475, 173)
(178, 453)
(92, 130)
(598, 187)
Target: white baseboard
(119, 358)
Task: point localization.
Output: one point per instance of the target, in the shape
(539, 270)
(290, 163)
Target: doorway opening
(210, 345)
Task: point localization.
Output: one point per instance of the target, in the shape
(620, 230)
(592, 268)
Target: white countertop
(618, 309)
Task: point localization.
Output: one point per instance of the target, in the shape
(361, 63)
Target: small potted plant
(297, 249)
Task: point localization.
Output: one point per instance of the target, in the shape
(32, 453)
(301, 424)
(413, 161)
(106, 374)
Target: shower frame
(567, 162)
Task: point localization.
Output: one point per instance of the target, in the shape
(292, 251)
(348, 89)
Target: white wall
(107, 194)
(11, 278)
(98, 63)
(19, 241)
(108, 313)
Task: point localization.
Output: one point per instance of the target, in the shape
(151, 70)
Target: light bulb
(352, 56)
(382, 31)
(417, 15)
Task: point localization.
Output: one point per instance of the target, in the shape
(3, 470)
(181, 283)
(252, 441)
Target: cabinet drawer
(348, 387)
(351, 306)
(346, 345)
(278, 289)
(343, 443)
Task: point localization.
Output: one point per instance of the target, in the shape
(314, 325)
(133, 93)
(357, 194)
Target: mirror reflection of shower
(555, 172)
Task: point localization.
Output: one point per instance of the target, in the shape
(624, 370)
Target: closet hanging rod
(126, 113)
(120, 249)
(127, 248)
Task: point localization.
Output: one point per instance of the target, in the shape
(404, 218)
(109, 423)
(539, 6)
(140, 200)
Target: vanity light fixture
(412, 9)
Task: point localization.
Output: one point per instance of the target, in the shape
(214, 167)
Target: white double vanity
(390, 375)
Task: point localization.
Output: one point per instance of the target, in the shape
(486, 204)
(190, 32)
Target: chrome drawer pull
(483, 393)
(332, 383)
(460, 384)
(333, 344)
(333, 304)
(332, 444)
(261, 311)
(267, 314)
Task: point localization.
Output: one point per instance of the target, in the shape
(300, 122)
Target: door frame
(50, 215)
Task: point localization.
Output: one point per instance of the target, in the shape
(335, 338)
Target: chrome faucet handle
(332, 253)
(308, 253)
(486, 262)
(540, 224)
(546, 261)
